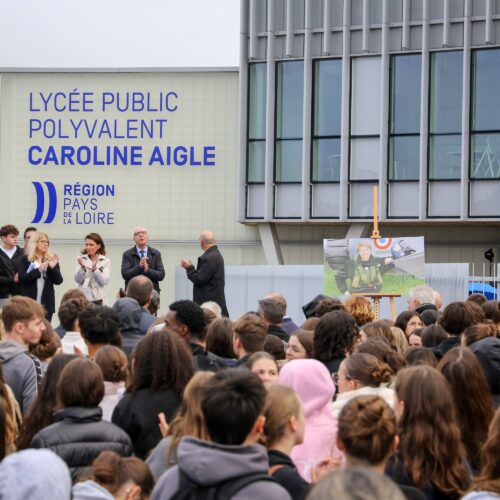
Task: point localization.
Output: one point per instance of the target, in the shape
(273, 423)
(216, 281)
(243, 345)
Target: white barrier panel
(245, 285)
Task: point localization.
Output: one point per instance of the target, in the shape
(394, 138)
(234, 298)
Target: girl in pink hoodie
(312, 382)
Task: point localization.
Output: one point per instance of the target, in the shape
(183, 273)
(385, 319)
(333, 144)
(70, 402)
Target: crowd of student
(120, 403)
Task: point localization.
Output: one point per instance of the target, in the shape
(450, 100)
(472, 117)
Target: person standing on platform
(10, 254)
(39, 271)
(208, 277)
(142, 260)
(92, 270)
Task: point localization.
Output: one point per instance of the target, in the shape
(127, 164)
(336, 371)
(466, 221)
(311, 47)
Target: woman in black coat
(79, 434)
(162, 365)
(38, 273)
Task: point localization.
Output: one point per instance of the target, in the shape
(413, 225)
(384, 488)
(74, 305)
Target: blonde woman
(39, 271)
(92, 270)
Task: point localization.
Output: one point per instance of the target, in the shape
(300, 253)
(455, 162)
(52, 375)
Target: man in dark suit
(142, 260)
(208, 277)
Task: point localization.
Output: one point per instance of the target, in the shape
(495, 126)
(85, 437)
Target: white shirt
(72, 339)
(10, 253)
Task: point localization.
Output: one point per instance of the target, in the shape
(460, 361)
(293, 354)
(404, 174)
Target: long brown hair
(430, 445)
(474, 405)
(9, 424)
(489, 478)
(189, 421)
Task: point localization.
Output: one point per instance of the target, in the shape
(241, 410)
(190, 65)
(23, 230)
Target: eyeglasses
(140, 233)
(44, 241)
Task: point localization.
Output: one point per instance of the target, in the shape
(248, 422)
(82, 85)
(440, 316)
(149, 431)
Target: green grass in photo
(393, 283)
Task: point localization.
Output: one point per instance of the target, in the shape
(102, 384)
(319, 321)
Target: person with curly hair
(360, 308)
(334, 337)
(161, 368)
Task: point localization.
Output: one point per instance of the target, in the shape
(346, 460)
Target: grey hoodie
(129, 314)
(39, 474)
(21, 371)
(90, 490)
(210, 464)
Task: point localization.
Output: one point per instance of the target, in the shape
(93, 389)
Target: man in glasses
(142, 260)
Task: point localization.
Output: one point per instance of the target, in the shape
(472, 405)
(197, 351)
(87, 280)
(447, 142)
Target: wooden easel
(375, 236)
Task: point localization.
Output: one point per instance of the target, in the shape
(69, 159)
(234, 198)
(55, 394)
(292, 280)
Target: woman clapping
(92, 271)
(39, 271)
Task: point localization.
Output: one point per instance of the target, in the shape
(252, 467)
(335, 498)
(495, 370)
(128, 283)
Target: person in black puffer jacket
(79, 435)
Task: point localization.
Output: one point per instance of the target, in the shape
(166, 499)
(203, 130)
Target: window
(326, 120)
(485, 126)
(289, 114)
(404, 126)
(256, 123)
(365, 119)
(445, 115)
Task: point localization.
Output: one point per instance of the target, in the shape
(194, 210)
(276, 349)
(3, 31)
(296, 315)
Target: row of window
(444, 125)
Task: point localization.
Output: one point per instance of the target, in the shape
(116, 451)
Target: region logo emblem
(42, 195)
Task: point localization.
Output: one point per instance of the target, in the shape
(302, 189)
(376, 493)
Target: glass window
(405, 156)
(289, 114)
(365, 153)
(288, 161)
(485, 156)
(485, 127)
(257, 101)
(486, 97)
(326, 160)
(445, 115)
(445, 156)
(289, 99)
(446, 92)
(405, 94)
(256, 161)
(327, 97)
(404, 126)
(326, 120)
(365, 96)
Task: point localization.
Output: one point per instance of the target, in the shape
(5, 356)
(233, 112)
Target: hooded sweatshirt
(39, 474)
(21, 371)
(90, 490)
(209, 464)
(312, 382)
(129, 313)
(487, 351)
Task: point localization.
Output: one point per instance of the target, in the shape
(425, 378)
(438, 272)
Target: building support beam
(357, 230)
(270, 243)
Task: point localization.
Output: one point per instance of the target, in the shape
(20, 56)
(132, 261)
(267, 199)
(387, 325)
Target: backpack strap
(190, 490)
(38, 368)
(275, 468)
(228, 489)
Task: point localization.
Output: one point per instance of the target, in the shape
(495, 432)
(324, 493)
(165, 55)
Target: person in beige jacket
(92, 270)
